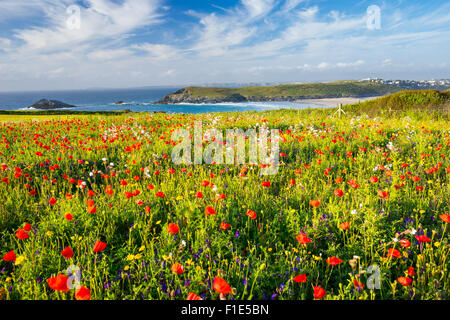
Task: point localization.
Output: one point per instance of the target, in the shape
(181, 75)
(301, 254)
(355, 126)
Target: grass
(312, 90)
(428, 103)
(115, 155)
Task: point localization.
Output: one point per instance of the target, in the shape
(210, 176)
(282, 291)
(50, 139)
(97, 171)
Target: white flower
(395, 240)
(91, 174)
(104, 159)
(413, 231)
(183, 243)
(354, 212)
(356, 257)
(111, 164)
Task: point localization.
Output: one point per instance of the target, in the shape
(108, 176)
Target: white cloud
(101, 20)
(255, 40)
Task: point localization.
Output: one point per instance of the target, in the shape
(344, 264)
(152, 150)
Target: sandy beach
(336, 101)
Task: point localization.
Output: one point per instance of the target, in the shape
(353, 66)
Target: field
(359, 209)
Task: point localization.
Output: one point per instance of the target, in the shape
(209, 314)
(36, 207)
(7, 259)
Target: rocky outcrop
(46, 104)
(184, 96)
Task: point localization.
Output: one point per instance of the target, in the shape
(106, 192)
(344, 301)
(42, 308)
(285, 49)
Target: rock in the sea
(119, 102)
(46, 104)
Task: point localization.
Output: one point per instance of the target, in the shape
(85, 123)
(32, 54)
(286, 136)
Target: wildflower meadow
(93, 208)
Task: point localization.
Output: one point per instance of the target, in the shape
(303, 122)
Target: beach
(335, 101)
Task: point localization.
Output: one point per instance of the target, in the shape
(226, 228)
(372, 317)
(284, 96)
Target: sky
(68, 44)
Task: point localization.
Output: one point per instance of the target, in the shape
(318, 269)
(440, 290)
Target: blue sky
(132, 43)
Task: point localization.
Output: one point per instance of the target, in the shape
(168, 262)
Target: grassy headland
(287, 92)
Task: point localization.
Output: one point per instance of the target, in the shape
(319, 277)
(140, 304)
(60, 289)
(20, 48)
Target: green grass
(258, 258)
(423, 102)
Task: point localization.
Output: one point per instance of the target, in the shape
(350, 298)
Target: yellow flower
(270, 249)
(130, 257)
(142, 248)
(295, 250)
(158, 222)
(262, 267)
(179, 198)
(437, 244)
(20, 259)
(422, 211)
(49, 233)
(138, 256)
(189, 262)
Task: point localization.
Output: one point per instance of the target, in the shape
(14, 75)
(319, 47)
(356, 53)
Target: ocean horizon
(136, 100)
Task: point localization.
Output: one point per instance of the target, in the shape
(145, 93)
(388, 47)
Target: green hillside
(341, 88)
(404, 101)
(286, 92)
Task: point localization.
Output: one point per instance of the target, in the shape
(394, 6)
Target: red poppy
(92, 209)
(405, 281)
(383, 194)
(27, 227)
(405, 243)
(10, 256)
(177, 268)
(52, 201)
(22, 234)
(173, 228)
(314, 203)
(393, 253)
(205, 183)
(83, 293)
(373, 179)
(67, 253)
(199, 195)
(300, 278)
(411, 272)
(109, 190)
(358, 284)
(91, 193)
(423, 238)
(209, 211)
(338, 192)
(319, 292)
(160, 194)
(265, 184)
(193, 296)
(99, 246)
(58, 283)
(303, 239)
(251, 214)
(68, 216)
(332, 261)
(445, 217)
(344, 225)
(224, 225)
(221, 286)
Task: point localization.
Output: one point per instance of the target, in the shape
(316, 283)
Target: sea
(136, 100)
